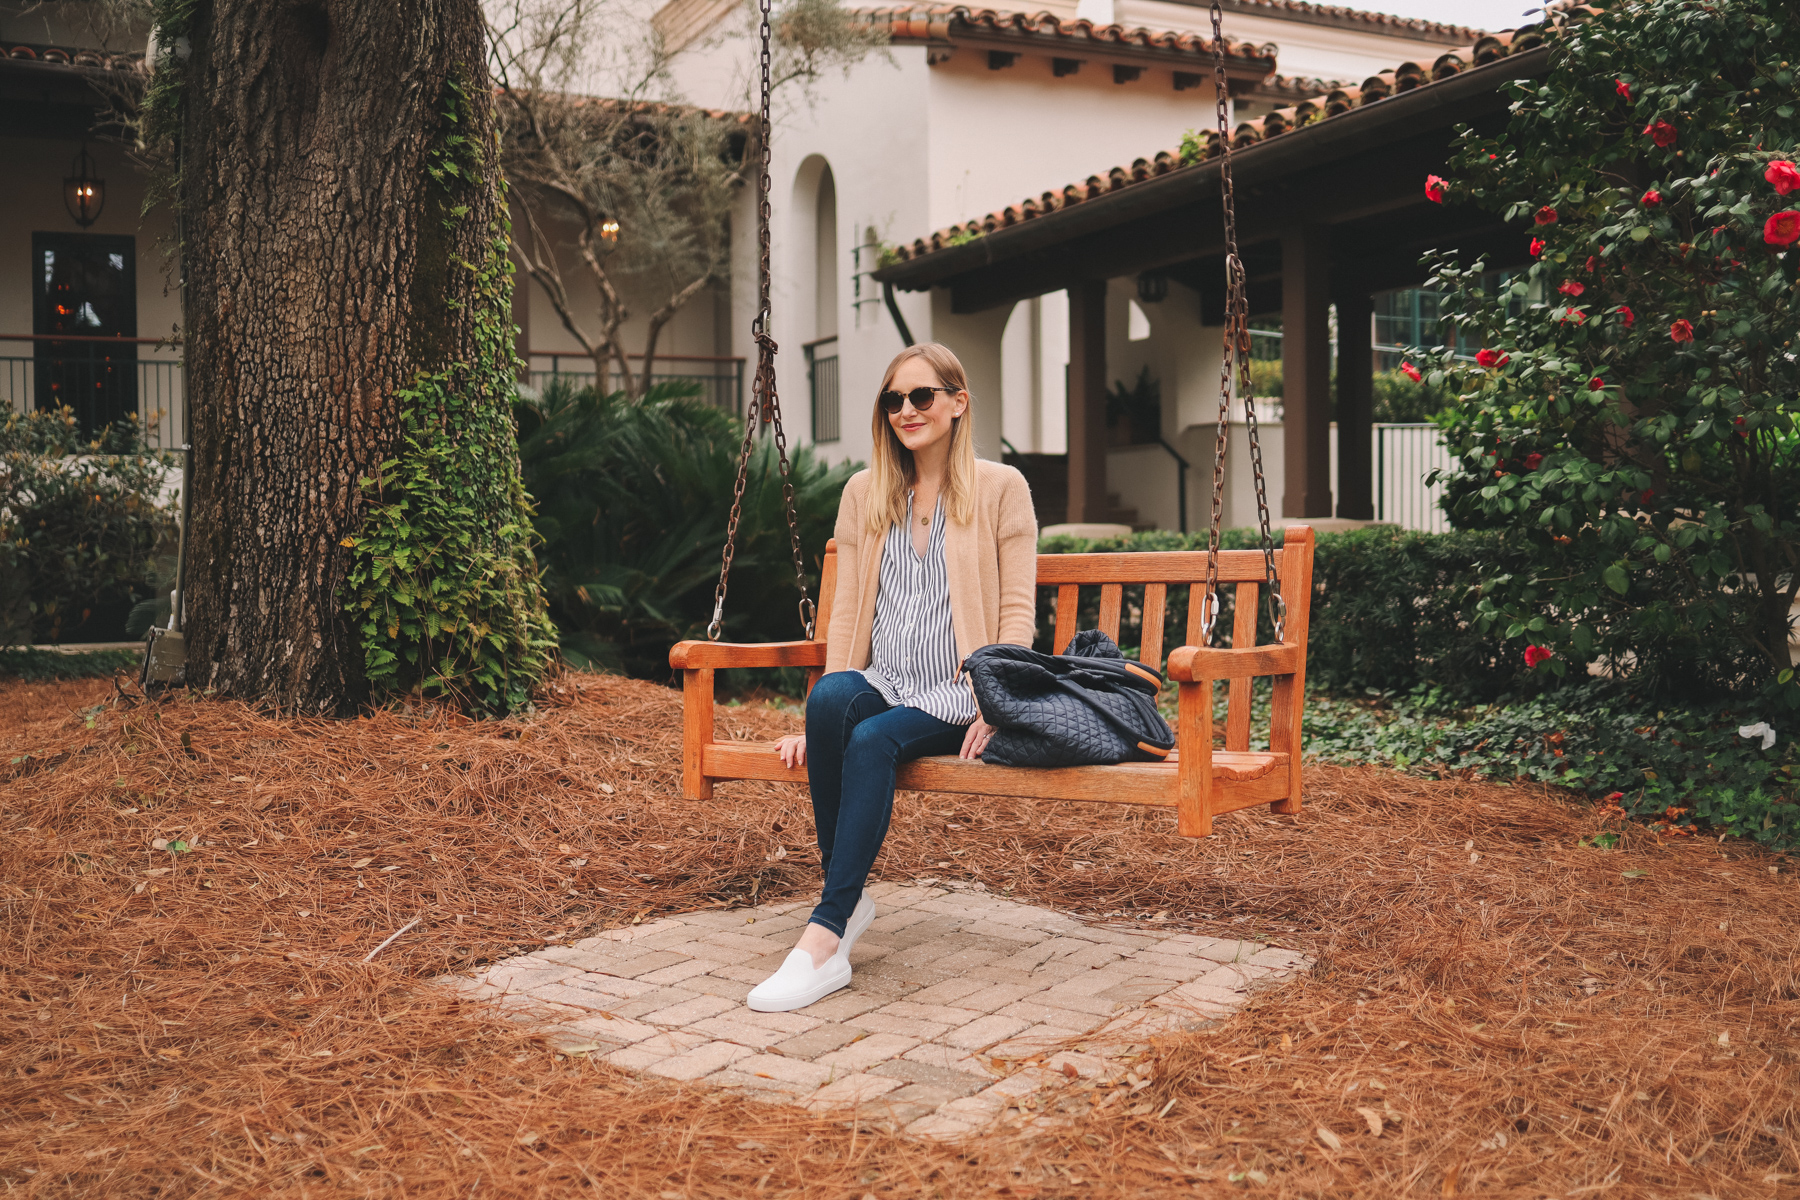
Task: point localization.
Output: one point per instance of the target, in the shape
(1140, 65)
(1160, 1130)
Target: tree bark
(318, 282)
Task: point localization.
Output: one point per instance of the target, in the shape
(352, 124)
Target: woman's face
(920, 430)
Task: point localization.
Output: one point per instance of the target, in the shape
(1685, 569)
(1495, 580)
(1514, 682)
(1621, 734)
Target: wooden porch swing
(1197, 780)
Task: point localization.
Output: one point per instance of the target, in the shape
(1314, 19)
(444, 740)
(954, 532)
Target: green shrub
(80, 525)
(1632, 417)
(1679, 765)
(1391, 608)
(37, 666)
(632, 503)
(1397, 397)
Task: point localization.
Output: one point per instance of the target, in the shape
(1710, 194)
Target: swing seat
(1197, 780)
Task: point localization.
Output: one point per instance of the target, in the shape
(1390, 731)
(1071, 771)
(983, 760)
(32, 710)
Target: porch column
(975, 337)
(1306, 371)
(1087, 401)
(1356, 404)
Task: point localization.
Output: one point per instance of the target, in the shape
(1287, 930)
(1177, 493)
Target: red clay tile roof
(945, 23)
(98, 60)
(1297, 87)
(1331, 14)
(1402, 78)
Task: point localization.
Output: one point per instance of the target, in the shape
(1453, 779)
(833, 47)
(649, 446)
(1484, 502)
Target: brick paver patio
(964, 1005)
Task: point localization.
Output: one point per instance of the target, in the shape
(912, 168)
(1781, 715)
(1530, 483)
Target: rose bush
(1664, 517)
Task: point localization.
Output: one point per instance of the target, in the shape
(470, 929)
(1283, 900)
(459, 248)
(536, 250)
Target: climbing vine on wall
(443, 582)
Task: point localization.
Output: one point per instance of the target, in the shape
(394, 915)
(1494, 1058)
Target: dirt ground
(188, 891)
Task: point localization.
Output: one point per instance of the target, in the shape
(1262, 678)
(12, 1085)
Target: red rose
(1537, 247)
(1623, 88)
(1491, 358)
(1652, 197)
(1596, 384)
(1411, 372)
(1681, 331)
(1626, 315)
(1572, 287)
(1533, 461)
(1537, 654)
(1545, 216)
(1435, 186)
(1661, 132)
(1782, 229)
(1591, 264)
(1784, 175)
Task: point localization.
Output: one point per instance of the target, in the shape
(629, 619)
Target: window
(84, 288)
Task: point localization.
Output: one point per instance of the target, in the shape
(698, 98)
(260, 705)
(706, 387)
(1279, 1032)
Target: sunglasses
(922, 398)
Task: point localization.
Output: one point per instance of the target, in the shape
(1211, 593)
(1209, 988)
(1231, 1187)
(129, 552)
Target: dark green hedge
(1391, 608)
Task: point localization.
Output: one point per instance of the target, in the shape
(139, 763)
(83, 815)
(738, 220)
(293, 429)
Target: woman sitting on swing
(937, 557)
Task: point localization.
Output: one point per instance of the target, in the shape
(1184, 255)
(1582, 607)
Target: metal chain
(765, 404)
(1236, 357)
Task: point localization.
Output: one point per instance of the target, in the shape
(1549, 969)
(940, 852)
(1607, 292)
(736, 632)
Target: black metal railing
(101, 380)
(720, 378)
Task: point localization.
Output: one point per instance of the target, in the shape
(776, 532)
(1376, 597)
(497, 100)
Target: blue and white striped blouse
(912, 651)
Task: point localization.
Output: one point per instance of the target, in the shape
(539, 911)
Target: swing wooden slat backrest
(1197, 780)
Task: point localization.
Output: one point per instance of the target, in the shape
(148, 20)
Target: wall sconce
(84, 193)
(1153, 287)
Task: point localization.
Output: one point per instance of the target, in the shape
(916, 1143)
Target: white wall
(998, 137)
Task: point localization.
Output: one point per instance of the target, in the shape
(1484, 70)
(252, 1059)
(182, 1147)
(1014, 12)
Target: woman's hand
(976, 740)
(792, 750)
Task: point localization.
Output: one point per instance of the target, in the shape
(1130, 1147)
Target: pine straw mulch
(1497, 1009)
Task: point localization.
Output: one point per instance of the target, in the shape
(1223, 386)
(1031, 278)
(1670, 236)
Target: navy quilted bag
(1087, 706)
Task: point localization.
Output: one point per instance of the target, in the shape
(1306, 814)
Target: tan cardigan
(992, 564)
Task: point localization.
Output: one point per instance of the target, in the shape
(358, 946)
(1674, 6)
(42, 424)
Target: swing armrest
(696, 655)
(1203, 664)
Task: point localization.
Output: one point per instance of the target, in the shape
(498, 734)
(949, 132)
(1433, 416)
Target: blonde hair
(891, 467)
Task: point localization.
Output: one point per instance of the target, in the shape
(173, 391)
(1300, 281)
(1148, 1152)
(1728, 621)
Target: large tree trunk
(318, 278)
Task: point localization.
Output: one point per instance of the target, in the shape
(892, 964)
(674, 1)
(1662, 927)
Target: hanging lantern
(84, 193)
(1153, 287)
(609, 234)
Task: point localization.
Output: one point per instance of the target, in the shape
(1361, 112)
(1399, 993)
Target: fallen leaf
(576, 862)
(390, 868)
(1332, 1141)
(171, 1052)
(1068, 1069)
(159, 870)
(240, 779)
(159, 843)
(321, 1054)
(1450, 1177)
(360, 863)
(528, 1138)
(607, 788)
(1373, 1118)
(1287, 1043)
(1633, 874)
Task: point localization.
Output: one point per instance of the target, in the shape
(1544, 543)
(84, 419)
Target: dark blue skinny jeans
(855, 741)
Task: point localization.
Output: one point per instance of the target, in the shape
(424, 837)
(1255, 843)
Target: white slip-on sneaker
(798, 983)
